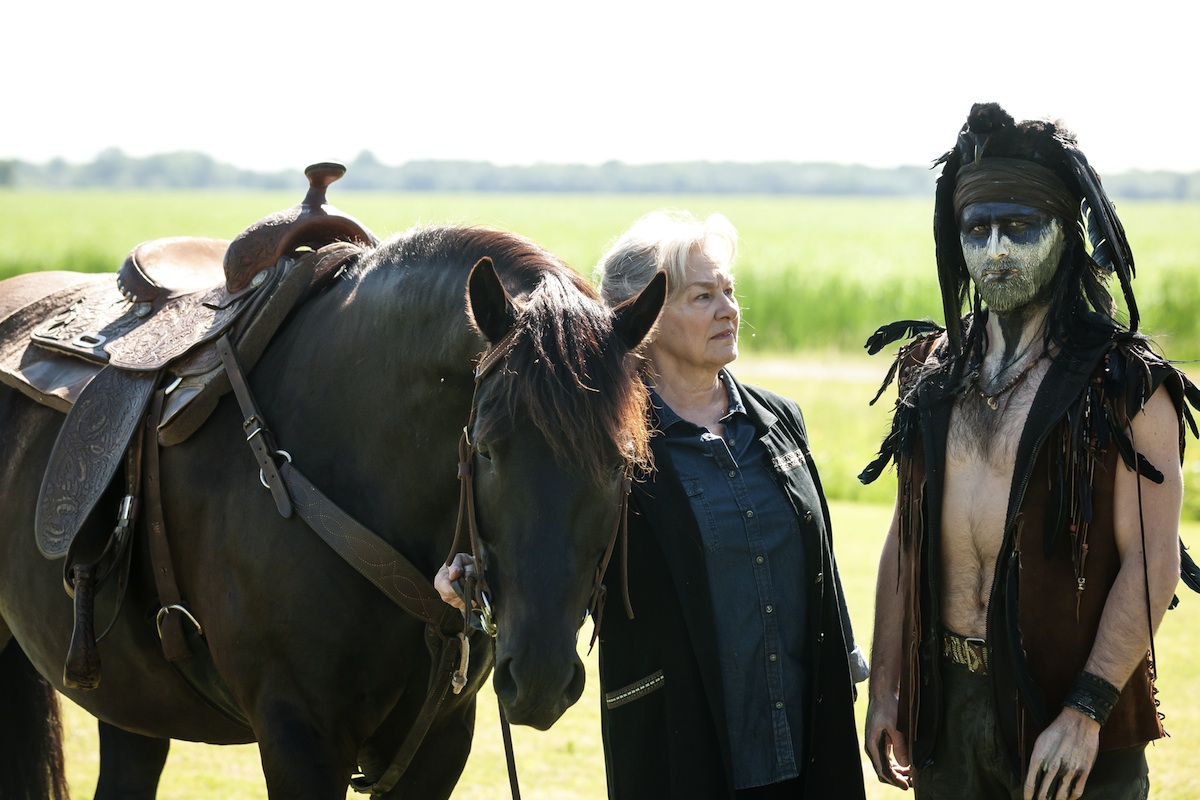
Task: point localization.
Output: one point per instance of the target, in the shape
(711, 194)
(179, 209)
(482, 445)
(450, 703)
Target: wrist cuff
(1092, 696)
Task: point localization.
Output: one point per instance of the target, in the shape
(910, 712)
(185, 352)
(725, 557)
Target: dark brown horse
(367, 386)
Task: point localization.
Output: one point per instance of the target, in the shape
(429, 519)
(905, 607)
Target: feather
(1102, 250)
(1191, 421)
(1148, 470)
(1139, 388)
(1104, 228)
(904, 329)
(876, 467)
(887, 381)
(1192, 394)
(1143, 466)
(1188, 569)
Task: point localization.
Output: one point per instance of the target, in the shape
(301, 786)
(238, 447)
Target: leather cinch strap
(170, 625)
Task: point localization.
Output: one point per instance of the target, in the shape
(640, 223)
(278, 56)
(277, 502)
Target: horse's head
(559, 420)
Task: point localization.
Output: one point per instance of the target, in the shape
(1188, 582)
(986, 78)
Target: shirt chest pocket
(702, 509)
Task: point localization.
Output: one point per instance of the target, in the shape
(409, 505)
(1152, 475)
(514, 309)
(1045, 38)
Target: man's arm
(1069, 746)
(884, 743)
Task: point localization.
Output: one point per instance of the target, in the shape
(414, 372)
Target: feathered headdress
(990, 131)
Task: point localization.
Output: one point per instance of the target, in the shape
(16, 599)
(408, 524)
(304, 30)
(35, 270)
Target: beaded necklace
(992, 399)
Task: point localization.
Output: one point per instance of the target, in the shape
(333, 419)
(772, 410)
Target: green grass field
(565, 763)
(814, 273)
(815, 277)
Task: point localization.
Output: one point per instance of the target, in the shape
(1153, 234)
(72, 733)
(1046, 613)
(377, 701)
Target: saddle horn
(312, 223)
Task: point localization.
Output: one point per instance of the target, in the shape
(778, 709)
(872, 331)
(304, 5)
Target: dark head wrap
(1013, 180)
(1034, 163)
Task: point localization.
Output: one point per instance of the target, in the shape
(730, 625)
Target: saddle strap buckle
(162, 613)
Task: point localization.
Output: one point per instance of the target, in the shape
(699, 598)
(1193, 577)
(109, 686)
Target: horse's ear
(636, 316)
(488, 304)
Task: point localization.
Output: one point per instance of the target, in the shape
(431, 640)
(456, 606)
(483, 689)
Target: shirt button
(759, 559)
(808, 516)
(820, 577)
(770, 609)
(820, 637)
(778, 704)
(732, 473)
(772, 657)
(749, 515)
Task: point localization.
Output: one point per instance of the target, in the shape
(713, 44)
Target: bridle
(474, 589)
(476, 594)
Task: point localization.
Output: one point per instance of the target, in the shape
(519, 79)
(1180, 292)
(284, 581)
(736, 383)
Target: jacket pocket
(635, 690)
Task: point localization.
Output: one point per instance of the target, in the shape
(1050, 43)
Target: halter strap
(476, 592)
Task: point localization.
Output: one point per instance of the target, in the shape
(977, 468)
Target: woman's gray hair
(662, 240)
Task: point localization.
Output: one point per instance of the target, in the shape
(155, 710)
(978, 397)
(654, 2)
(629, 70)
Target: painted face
(1012, 252)
(698, 327)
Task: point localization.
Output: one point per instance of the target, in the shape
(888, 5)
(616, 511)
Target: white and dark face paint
(1012, 252)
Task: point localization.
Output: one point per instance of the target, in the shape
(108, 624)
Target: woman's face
(698, 327)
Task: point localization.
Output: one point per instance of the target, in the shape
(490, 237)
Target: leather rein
(394, 575)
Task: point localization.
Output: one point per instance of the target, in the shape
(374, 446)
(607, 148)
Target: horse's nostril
(503, 682)
(575, 688)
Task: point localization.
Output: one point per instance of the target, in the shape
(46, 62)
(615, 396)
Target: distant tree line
(189, 170)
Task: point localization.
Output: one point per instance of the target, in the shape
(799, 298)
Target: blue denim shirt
(755, 557)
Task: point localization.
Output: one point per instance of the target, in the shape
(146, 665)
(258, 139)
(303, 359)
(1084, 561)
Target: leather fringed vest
(1058, 559)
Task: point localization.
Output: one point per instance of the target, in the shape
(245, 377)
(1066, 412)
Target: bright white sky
(279, 85)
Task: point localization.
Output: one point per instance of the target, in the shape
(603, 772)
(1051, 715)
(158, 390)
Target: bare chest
(981, 451)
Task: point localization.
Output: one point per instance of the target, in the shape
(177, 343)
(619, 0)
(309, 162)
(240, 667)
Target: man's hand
(885, 745)
(1063, 757)
(462, 565)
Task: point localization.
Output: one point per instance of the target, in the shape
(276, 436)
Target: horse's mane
(566, 373)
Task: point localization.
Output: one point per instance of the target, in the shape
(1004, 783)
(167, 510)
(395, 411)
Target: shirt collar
(667, 417)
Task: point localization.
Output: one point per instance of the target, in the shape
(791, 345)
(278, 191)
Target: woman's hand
(462, 565)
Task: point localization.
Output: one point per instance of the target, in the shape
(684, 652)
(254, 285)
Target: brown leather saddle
(99, 347)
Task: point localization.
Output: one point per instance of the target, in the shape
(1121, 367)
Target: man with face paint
(1038, 444)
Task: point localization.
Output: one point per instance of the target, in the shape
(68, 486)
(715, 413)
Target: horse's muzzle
(536, 691)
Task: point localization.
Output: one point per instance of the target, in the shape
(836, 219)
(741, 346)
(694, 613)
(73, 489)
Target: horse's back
(19, 291)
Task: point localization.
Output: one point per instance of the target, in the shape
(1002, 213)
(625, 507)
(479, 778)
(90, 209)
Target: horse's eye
(483, 450)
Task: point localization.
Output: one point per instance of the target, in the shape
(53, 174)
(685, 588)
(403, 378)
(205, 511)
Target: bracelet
(1092, 696)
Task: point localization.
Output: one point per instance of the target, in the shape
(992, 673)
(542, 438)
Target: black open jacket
(663, 717)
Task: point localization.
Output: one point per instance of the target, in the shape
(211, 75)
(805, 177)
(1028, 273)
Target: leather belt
(966, 651)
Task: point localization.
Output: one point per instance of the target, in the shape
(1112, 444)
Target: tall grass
(813, 273)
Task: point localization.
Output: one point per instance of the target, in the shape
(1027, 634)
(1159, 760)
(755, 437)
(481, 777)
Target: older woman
(736, 676)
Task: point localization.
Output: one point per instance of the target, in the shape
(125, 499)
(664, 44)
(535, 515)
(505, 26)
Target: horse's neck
(414, 316)
(369, 393)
